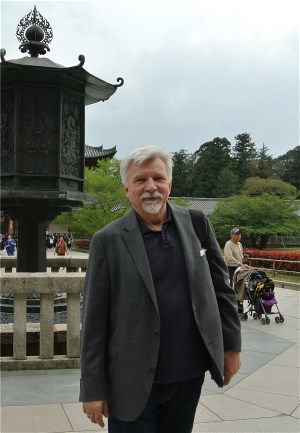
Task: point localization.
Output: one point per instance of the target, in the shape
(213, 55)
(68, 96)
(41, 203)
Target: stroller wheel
(267, 320)
(263, 321)
(277, 320)
(281, 318)
(245, 316)
(255, 316)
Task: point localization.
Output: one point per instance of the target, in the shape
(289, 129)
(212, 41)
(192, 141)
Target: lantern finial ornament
(35, 33)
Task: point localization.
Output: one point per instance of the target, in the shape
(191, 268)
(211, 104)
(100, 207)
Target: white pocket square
(202, 252)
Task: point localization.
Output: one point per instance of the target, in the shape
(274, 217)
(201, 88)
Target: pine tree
(244, 153)
(211, 158)
(182, 162)
(228, 183)
(263, 163)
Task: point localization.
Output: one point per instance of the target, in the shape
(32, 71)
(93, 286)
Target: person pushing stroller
(233, 253)
(234, 258)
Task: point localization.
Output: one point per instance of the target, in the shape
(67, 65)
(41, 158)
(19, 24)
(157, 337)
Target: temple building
(92, 154)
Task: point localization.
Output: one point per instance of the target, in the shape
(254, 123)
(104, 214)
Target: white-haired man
(158, 311)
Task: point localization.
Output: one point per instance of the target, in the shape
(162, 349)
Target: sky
(193, 70)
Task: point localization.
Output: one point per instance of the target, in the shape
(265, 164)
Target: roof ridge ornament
(81, 58)
(121, 81)
(35, 33)
(2, 55)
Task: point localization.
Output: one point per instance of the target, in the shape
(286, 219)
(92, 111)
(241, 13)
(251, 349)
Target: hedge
(82, 243)
(261, 254)
(275, 255)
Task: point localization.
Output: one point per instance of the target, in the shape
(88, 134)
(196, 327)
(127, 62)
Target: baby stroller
(254, 286)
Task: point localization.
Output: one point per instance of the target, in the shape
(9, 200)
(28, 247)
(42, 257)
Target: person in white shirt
(233, 252)
(234, 258)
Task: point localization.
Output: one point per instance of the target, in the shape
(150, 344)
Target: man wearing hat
(233, 252)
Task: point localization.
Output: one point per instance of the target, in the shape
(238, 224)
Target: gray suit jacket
(120, 342)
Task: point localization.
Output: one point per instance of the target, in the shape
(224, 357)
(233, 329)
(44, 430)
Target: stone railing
(46, 286)
(274, 262)
(72, 264)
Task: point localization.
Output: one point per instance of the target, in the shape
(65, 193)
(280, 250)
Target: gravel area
(59, 317)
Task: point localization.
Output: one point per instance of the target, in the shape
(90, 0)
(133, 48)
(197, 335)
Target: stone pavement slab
(39, 387)
(280, 403)
(289, 358)
(34, 419)
(228, 408)
(203, 414)
(276, 379)
(279, 424)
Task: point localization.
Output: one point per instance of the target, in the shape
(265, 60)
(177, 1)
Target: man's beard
(152, 208)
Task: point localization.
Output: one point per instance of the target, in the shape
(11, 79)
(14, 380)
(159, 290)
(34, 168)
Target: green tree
(227, 183)
(258, 217)
(104, 184)
(244, 154)
(278, 168)
(257, 186)
(182, 163)
(263, 164)
(287, 167)
(211, 158)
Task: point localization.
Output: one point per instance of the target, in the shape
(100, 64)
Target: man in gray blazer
(158, 311)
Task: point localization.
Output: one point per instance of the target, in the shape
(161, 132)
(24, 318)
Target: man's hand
(95, 410)
(232, 364)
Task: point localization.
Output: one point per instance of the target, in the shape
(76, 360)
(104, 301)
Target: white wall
(57, 228)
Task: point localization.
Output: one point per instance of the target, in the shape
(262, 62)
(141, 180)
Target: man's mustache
(155, 194)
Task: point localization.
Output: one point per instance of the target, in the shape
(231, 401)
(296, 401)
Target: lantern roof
(35, 33)
(95, 89)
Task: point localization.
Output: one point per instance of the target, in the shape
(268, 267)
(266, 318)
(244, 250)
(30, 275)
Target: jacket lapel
(134, 242)
(181, 217)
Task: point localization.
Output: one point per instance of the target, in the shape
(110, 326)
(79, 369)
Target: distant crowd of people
(60, 243)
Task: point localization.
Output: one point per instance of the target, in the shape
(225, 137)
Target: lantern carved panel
(72, 146)
(38, 139)
(7, 132)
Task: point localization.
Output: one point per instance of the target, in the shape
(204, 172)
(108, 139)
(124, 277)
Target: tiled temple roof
(99, 152)
(207, 205)
(92, 154)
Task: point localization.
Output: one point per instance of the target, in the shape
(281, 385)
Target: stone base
(36, 363)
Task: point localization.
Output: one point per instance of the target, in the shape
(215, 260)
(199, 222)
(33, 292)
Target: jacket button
(157, 333)
(152, 370)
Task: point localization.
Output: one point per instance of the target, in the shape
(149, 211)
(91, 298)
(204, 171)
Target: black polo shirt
(182, 353)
